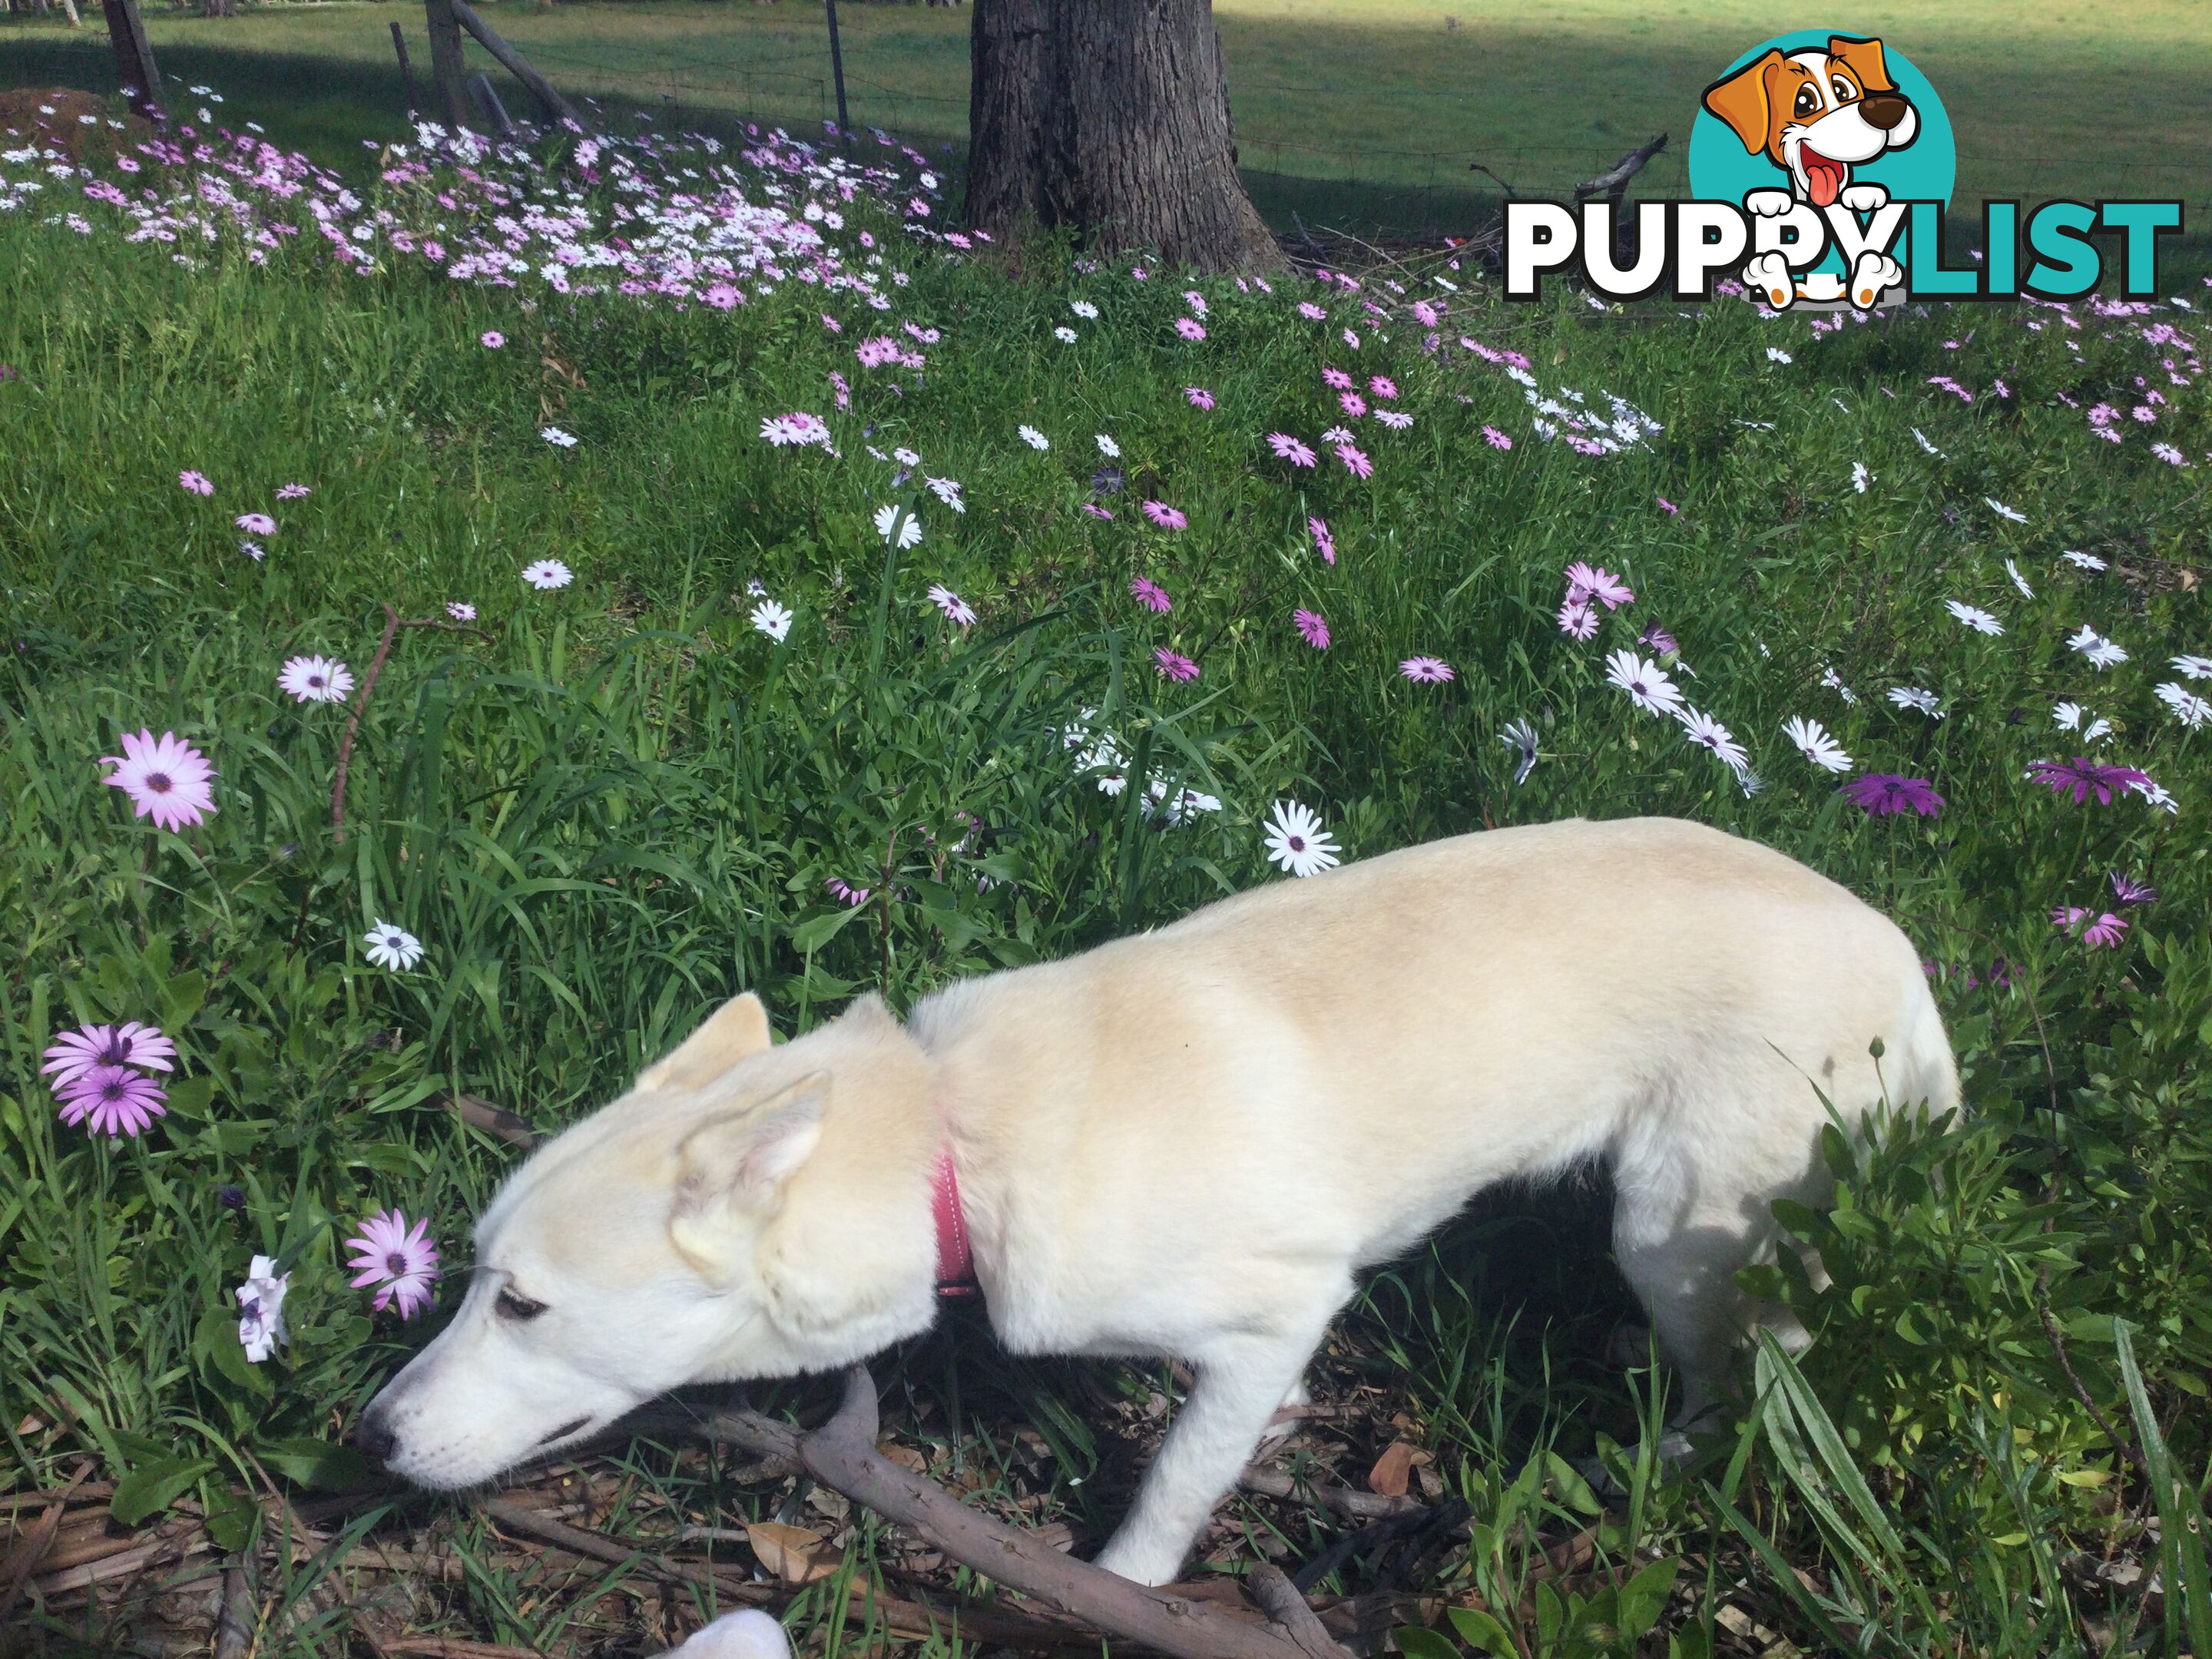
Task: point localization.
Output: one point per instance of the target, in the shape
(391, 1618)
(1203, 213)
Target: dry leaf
(1389, 1474)
(905, 1456)
(794, 1555)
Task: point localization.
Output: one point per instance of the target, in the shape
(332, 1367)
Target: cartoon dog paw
(1872, 276)
(1767, 204)
(1770, 274)
(1864, 198)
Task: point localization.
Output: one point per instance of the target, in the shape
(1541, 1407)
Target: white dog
(1161, 1147)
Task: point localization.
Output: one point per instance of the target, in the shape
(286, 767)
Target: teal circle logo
(1815, 113)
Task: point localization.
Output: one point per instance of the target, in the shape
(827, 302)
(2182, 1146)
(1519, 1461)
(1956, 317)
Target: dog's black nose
(375, 1441)
(1883, 109)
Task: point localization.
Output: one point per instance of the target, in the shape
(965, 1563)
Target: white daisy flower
(2004, 512)
(896, 520)
(1109, 448)
(2101, 651)
(557, 438)
(547, 574)
(2193, 668)
(1815, 743)
(1083, 309)
(1921, 438)
(1064, 334)
(315, 679)
(2086, 560)
(2156, 796)
(1706, 733)
(1521, 737)
(1777, 355)
(2019, 580)
(261, 1310)
(956, 609)
(1860, 477)
(1296, 841)
(906, 457)
(1833, 682)
(948, 491)
(1645, 682)
(1973, 616)
(1033, 437)
(1183, 804)
(771, 619)
(390, 945)
(1911, 696)
(2191, 710)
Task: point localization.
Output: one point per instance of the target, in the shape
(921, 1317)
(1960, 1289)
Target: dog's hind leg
(1237, 1391)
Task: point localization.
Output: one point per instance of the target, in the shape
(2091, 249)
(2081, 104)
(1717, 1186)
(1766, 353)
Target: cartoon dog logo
(1816, 115)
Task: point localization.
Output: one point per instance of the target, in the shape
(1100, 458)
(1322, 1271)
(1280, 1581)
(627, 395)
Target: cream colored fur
(1189, 1142)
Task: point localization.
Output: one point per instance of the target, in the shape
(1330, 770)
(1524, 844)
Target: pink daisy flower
(1096, 511)
(1585, 583)
(1577, 620)
(404, 1262)
(112, 1101)
(256, 524)
(76, 1054)
(1190, 328)
(1427, 671)
(1310, 311)
(1351, 403)
(1313, 628)
(492, 339)
(1324, 544)
(1354, 461)
(1174, 665)
(1666, 505)
(1496, 439)
(167, 779)
(1336, 379)
(196, 481)
(461, 610)
(1290, 449)
(1164, 516)
(1199, 396)
(292, 492)
(1382, 386)
(1151, 595)
(956, 609)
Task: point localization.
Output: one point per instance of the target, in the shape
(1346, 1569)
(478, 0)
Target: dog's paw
(751, 1634)
(1769, 273)
(1864, 198)
(1141, 1560)
(1768, 204)
(1821, 287)
(1873, 275)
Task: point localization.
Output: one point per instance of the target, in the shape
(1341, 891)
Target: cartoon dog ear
(735, 1030)
(1865, 60)
(1741, 99)
(741, 1161)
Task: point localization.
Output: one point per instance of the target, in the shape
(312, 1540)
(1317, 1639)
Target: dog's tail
(1921, 1069)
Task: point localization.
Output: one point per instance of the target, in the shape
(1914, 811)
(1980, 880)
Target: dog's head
(1814, 114)
(721, 1221)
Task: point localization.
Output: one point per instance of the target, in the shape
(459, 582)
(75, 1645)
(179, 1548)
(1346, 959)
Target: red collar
(956, 1261)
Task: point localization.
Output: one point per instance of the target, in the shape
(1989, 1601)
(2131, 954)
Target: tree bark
(1110, 119)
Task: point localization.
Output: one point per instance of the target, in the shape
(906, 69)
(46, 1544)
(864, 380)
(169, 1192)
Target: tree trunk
(1110, 118)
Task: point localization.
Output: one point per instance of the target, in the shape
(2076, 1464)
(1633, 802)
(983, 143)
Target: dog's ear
(1741, 99)
(739, 1162)
(734, 1031)
(1865, 60)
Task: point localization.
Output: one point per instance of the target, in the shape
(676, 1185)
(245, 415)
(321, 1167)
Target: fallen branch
(555, 105)
(1614, 184)
(1345, 1500)
(393, 622)
(842, 1455)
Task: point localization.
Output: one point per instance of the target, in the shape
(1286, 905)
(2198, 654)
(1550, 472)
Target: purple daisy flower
(1313, 628)
(75, 1054)
(1427, 670)
(1881, 795)
(1199, 396)
(1174, 664)
(112, 1101)
(1151, 595)
(404, 1262)
(1290, 449)
(2126, 889)
(2082, 777)
(1164, 516)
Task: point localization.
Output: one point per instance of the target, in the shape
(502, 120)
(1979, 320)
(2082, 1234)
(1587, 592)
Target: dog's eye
(1808, 101)
(511, 1306)
(1844, 90)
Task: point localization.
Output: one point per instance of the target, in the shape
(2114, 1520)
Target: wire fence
(1336, 156)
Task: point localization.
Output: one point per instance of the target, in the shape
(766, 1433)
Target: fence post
(449, 75)
(134, 57)
(406, 71)
(837, 70)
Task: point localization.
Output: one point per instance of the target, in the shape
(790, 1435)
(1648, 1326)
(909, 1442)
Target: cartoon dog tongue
(1824, 179)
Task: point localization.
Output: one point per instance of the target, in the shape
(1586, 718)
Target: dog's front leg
(1236, 1393)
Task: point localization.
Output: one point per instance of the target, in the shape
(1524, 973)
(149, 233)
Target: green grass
(625, 804)
(1361, 112)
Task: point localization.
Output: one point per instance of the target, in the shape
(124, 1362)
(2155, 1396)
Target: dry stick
(1614, 183)
(843, 1455)
(393, 622)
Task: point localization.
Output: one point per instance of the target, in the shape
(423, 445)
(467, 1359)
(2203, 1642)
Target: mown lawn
(1363, 112)
(609, 803)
